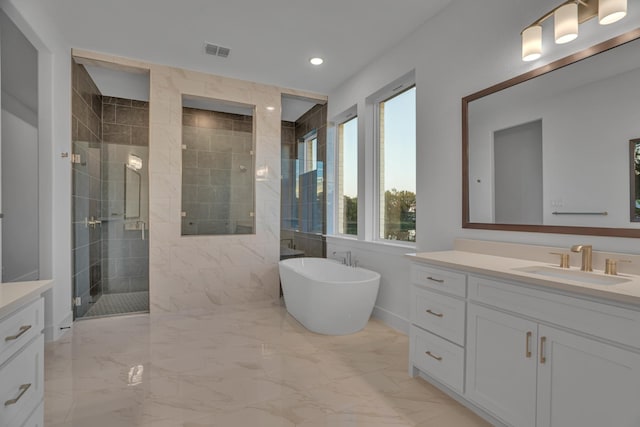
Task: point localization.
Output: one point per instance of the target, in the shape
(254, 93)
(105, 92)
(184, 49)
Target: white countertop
(16, 294)
(503, 268)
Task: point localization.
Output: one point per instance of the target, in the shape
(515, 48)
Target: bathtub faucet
(347, 258)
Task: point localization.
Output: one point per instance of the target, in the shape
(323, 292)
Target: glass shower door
(111, 211)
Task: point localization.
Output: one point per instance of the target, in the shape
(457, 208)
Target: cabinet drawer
(437, 313)
(437, 358)
(20, 327)
(440, 279)
(21, 384)
(598, 319)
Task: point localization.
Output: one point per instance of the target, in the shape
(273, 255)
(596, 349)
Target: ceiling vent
(212, 49)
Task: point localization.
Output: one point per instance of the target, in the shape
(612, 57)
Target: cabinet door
(501, 365)
(586, 383)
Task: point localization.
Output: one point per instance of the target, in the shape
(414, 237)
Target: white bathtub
(328, 297)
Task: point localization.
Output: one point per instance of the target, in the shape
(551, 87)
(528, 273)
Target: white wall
(54, 138)
(469, 46)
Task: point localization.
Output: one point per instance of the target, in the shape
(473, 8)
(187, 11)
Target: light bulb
(610, 11)
(565, 23)
(532, 43)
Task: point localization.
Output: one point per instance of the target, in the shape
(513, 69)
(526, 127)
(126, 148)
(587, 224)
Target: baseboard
(55, 332)
(392, 320)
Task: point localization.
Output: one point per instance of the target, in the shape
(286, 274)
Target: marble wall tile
(207, 272)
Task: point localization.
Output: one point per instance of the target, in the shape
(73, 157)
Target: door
(586, 383)
(501, 365)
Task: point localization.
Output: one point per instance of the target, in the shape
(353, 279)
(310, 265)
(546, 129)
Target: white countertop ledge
(503, 268)
(16, 294)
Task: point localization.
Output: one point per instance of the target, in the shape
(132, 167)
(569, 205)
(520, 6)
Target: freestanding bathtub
(328, 297)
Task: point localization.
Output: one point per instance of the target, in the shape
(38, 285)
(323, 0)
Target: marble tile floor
(249, 365)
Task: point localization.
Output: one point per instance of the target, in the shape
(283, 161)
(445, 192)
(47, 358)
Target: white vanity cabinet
(438, 322)
(22, 353)
(585, 382)
(501, 365)
(540, 359)
(533, 356)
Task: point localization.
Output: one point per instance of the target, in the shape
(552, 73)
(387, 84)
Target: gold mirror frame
(576, 57)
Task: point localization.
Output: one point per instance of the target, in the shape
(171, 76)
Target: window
(308, 152)
(397, 166)
(310, 185)
(348, 177)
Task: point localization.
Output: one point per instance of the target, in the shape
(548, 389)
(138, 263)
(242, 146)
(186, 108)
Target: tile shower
(303, 189)
(217, 172)
(110, 201)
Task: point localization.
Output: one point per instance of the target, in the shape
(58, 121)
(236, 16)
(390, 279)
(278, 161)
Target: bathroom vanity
(527, 343)
(22, 353)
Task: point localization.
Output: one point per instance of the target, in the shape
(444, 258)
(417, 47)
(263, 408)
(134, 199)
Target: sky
(400, 141)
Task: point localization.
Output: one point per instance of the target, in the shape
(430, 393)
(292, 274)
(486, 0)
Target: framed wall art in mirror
(547, 152)
(634, 184)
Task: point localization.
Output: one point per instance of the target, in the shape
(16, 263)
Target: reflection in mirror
(132, 184)
(545, 151)
(218, 167)
(309, 183)
(635, 179)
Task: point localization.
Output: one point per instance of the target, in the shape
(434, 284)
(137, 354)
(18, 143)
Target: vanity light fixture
(566, 19)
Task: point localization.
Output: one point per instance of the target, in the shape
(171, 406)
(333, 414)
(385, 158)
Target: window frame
(346, 117)
(387, 93)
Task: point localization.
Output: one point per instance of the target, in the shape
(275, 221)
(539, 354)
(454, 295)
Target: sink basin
(574, 275)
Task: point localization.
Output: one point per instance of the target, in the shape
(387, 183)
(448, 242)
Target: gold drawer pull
(23, 329)
(528, 345)
(23, 389)
(435, 280)
(438, 358)
(435, 314)
(543, 359)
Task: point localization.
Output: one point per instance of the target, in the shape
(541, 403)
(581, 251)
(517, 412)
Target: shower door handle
(142, 226)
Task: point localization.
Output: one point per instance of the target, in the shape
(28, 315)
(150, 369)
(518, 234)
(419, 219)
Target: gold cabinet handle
(435, 314)
(435, 280)
(23, 389)
(543, 359)
(23, 330)
(438, 358)
(528, 345)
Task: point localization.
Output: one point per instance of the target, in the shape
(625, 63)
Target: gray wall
(217, 173)
(517, 155)
(125, 255)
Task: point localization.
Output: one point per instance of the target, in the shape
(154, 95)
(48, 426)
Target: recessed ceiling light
(316, 60)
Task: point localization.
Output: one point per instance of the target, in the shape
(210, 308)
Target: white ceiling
(271, 41)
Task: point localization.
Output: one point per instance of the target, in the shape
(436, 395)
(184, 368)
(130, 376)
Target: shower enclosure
(110, 201)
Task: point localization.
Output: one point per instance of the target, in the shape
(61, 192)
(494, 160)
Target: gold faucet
(586, 256)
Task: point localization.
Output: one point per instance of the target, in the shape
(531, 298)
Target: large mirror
(548, 151)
